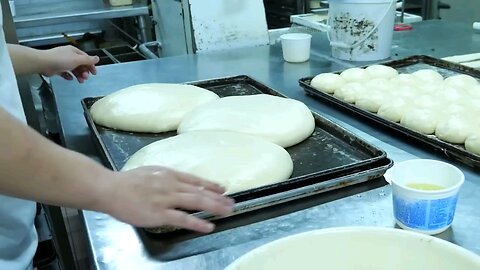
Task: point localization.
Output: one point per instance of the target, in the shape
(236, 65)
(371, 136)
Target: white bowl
(296, 47)
(359, 248)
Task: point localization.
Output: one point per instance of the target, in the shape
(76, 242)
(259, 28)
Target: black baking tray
(409, 65)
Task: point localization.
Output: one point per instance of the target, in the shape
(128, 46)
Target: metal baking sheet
(409, 65)
(330, 150)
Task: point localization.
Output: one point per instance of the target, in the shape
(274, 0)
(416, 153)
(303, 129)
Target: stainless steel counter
(115, 245)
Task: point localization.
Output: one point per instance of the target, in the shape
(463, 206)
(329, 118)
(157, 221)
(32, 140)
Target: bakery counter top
(115, 245)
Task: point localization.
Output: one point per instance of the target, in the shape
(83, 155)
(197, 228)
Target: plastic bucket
(361, 30)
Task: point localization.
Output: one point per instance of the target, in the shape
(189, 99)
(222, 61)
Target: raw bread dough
(472, 143)
(381, 71)
(421, 120)
(406, 80)
(406, 91)
(379, 84)
(154, 107)
(428, 102)
(355, 75)
(371, 100)
(474, 91)
(451, 94)
(236, 161)
(461, 81)
(348, 92)
(394, 109)
(431, 88)
(280, 120)
(428, 76)
(453, 129)
(327, 82)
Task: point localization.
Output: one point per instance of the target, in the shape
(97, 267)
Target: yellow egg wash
(424, 186)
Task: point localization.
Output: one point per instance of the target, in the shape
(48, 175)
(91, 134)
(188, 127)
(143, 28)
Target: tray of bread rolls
(321, 157)
(432, 101)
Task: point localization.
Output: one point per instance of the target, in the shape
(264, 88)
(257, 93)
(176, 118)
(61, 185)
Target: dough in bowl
(327, 82)
(279, 120)
(236, 161)
(153, 107)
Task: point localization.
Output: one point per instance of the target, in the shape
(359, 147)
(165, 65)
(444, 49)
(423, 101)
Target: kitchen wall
(461, 11)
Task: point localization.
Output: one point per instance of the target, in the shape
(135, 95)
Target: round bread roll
(379, 84)
(453, 129)
(431, 88)
(394, 109)
(327, 82)
(236, 161)
(355, 75)
(282, 121)
(461, 81)
(428, 76)
(405, 79)
(472, 104)
(455, 109)
(371, 100)
(472, 143)
(420, 120)
(153, 107)
(381, 71)
(348, 92)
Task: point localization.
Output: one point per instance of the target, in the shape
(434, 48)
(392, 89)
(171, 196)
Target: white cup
(424, 211)
(296, 47)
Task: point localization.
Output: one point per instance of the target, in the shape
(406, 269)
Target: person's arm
(54, 61)
(31, 167)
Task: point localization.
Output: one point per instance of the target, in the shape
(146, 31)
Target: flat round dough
(420, 120)
(472, 143)
(381, 71)
(355, 75)
(153, 107)
(327, 82)
(279, 120)
(428, 76)
(394, 109)
(236, 161)
(461, 81)
(348, 92)
(453, 129)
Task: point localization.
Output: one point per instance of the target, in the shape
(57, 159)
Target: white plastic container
(425, 211)
(296, 47)
(116, 3)
(358, 248)
(361, 30)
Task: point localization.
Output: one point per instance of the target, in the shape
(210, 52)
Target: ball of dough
(472, 144)
(348, 92)
(279, 120)
(472, 104)
(406, 80)
(420, 120)
(355, 75)
(461, 81)
(453, 109)
(474, 91)
(379, 84)
(451, 94)
(431, 88)
(453, 129)
(428, 76)
(236, 161)
(327, 82)
(428, 102)
(371, 100)
(394, 109)
(406, 91)
(381, 71)
(153, 107)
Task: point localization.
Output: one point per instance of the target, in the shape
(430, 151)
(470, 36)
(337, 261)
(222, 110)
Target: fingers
(66, 76)
(195, 190)
(196, 181)
(183, 220)
(190, 201)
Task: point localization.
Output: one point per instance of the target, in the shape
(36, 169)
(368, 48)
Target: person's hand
(65, 59)
(152, 196)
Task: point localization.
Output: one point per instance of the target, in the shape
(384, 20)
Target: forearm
(33, 168)
(27, 60)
